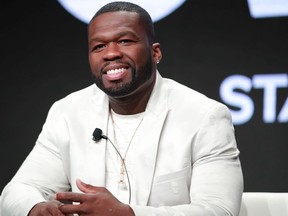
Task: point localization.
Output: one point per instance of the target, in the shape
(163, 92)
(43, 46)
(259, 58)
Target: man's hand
(46, 209)
(94, 201)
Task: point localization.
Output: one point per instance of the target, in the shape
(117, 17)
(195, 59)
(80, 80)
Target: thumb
(85, 188)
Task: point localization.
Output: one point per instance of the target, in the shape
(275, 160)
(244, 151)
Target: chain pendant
(121, 184)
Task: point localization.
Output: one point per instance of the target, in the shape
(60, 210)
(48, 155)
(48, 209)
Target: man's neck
(129, 106)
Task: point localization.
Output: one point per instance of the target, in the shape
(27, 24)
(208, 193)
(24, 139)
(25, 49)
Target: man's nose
(112, 52)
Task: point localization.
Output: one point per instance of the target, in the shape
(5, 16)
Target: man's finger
(68, 197)
(85, 188)
(71, 209)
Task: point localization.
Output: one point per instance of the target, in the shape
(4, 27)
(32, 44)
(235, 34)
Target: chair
(264, 204)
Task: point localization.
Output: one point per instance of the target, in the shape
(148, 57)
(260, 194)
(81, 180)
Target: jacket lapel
(99, 119)
(147, 149)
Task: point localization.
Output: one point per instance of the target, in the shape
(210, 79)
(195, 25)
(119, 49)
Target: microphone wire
(126, 171)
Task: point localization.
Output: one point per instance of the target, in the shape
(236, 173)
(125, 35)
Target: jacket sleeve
(216, 180)
(39, 177)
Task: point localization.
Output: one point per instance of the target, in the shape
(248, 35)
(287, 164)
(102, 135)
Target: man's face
(121, 58)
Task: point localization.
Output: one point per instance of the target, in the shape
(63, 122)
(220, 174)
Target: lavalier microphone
(97, 135)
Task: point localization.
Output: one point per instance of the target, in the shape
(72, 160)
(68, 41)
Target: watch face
(85, 9)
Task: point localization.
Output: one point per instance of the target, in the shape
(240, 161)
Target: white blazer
(187, 161)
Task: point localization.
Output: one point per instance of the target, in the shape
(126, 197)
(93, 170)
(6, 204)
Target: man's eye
(125, 41)
(99, 47)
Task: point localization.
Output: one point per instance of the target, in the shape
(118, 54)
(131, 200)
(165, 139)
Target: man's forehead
(115, 20)
(117, 16)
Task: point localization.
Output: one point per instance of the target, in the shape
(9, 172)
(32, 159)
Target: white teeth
(115, 71)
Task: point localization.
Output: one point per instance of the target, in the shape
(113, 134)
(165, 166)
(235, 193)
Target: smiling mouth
(116, 74)
(116, 71)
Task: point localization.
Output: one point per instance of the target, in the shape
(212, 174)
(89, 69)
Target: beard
(122, 89)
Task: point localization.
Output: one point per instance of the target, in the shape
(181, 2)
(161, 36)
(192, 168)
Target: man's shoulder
(82, 97)
(88, 91)
(175, 87)
(180, 94)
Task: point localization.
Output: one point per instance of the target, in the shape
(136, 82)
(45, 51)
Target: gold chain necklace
(121, 182)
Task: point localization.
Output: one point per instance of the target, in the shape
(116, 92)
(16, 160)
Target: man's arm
(40, 176)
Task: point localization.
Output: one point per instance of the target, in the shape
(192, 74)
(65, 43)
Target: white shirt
(122, 132)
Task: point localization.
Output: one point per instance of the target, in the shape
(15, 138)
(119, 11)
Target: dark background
(44, 57)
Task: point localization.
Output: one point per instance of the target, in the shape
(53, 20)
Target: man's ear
(157, 54)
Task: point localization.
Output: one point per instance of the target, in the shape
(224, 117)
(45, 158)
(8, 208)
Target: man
(165, 149)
